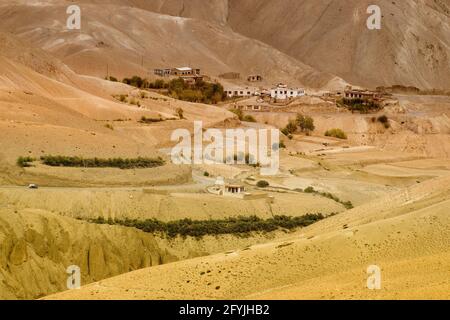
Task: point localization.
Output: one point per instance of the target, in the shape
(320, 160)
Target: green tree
(306, 123)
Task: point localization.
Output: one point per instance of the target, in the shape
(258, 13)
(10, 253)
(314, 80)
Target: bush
(336, 133)
(135, 81)
(310, 190)
(239, 113)
(24, 162)
(64, 161)
(291, 127)
(262, 184)
(109, 126)
(385, 121)
(206, 174)
(180, 113)
(249, 118)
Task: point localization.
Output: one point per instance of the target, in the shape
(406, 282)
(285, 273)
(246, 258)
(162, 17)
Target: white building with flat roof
(282, 92)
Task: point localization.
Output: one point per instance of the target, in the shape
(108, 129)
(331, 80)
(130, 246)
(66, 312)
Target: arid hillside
(412, 47)
(122, 40)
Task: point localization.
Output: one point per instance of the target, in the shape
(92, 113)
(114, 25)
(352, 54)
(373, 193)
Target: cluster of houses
(280, 92)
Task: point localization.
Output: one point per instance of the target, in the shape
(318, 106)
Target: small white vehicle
(33, 186)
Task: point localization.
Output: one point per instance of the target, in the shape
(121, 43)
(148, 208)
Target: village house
(177, 72)
(361, 94)
(282, 92)
(254, 78)
(189, 75)
(223, 188)
(162, 72)
(254, 105)
(240, 92)
(185, 71)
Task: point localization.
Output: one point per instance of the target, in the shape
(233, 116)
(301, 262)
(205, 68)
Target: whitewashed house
(282, 92)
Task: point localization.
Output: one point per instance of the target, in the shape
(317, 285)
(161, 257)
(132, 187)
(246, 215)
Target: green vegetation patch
(346, 204)
(336, 133)
(199, 92)
(360, 105)
(24, 162)
(240, 226)
(64, 161)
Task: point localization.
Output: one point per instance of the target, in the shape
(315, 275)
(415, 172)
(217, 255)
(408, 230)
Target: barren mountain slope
(412, 47)
(122, 41)
(37, 247)
(46, 107)
(211, 10)
(404, 238)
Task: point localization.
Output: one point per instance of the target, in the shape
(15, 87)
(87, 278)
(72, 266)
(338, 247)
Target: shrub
(135, 81)
(310, 190)
(239, 113)
(109, 126)
(249, 118)
(385, 121)
(262, 184)
(24, 162)
(291, 127)
(180, 113)
(206, 174)
(336, 133)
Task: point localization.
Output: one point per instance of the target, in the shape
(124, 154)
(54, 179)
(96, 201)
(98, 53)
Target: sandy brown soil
(53, 100)
(404, 244)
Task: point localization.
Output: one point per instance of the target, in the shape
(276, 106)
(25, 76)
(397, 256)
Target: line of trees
(64, 161)
(240, 226)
